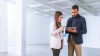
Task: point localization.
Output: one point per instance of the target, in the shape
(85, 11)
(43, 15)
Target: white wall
(37, 26)
(92, 38)
(3, 26)
(37, 31)
(11, 16)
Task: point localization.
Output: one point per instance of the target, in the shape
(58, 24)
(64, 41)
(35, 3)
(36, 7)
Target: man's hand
(69, 30)
(72, 30)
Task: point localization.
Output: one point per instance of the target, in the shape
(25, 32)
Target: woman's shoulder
(53, 23)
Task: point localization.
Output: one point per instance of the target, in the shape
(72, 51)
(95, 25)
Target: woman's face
(60, 18)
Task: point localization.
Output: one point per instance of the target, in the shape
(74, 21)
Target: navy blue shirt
(80, 23)
(74, 22)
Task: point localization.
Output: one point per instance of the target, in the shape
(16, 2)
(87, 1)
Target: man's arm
(84, 27)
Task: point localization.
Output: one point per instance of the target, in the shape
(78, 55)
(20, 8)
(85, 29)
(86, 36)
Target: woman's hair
(57, 14)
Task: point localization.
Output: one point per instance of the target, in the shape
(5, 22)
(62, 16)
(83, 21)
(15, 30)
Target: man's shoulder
(82, 17)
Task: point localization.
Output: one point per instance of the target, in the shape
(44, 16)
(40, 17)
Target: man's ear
(78, 11)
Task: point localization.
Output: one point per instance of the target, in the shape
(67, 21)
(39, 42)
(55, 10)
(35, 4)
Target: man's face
(74, 12)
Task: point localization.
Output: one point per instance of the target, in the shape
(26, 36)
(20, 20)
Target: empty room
(49, 27)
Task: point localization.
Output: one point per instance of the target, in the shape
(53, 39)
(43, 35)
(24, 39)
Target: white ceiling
(50, 6)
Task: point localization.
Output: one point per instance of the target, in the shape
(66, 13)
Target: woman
(56, 32)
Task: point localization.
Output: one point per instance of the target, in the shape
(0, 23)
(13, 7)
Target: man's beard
(73, 16)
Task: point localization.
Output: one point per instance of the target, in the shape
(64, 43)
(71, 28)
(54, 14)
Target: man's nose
(73, 14)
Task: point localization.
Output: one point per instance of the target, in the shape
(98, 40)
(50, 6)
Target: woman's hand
(63, 27)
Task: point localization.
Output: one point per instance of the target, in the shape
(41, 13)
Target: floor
(44, 50)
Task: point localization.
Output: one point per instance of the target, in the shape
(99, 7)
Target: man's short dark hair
(75, 7)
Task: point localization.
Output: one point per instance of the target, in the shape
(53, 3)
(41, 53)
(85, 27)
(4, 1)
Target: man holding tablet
(76, 27)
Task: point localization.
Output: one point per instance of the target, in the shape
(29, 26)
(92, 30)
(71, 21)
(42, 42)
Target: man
(76, 27)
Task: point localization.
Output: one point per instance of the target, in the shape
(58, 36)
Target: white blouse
(55, 36)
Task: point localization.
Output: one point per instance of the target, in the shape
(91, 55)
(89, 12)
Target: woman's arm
(53, 32)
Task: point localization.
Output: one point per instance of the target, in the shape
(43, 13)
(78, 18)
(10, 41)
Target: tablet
(70, 27)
